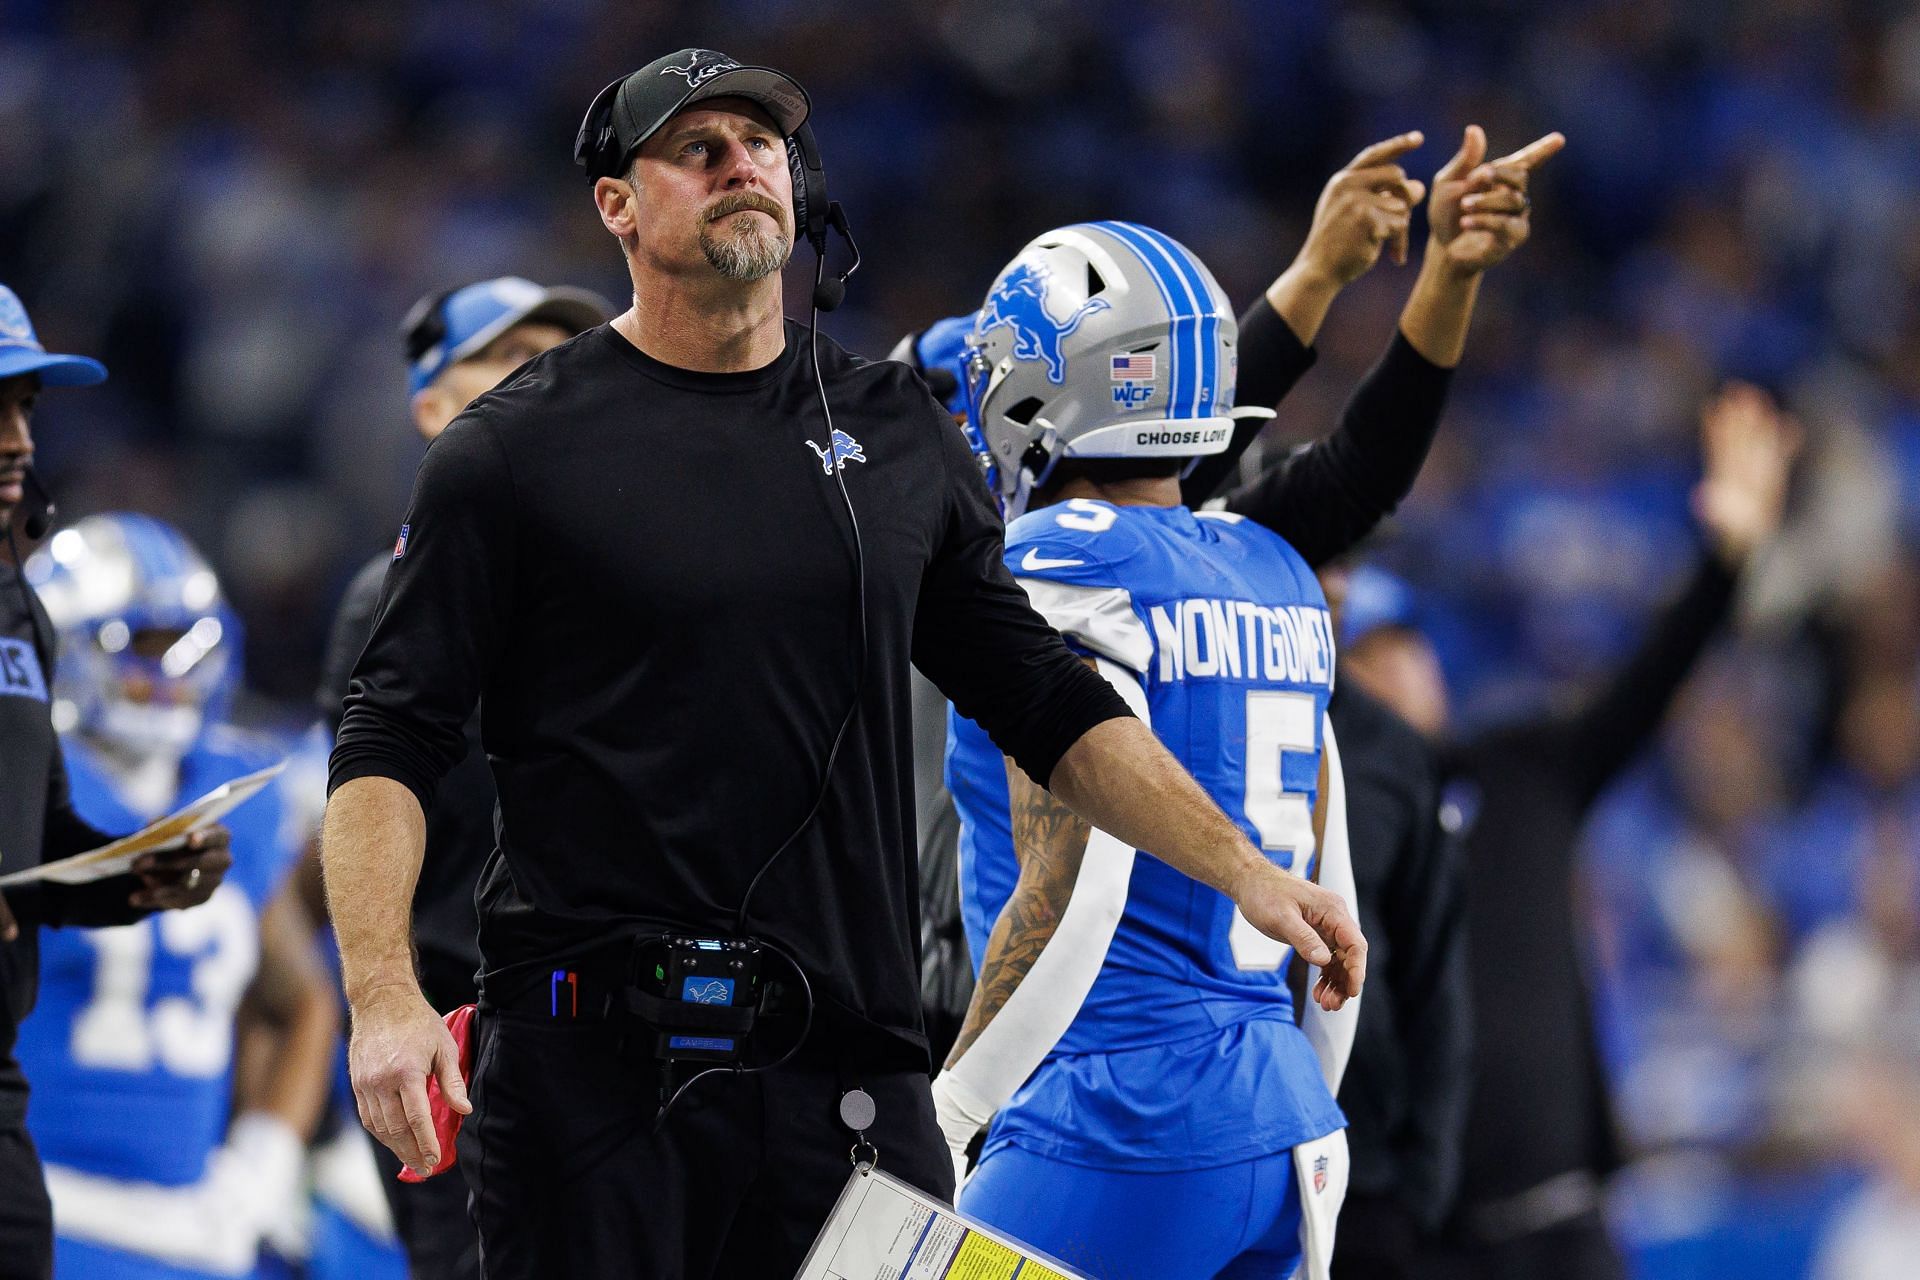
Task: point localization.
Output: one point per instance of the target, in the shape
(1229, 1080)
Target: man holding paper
(37, 820)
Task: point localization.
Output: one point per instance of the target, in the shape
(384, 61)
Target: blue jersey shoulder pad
(1078, 561)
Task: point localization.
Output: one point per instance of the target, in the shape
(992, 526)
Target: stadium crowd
(232, 204)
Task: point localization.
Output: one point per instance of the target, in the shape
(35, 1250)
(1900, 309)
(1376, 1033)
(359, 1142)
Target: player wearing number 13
(132, 1047)
(37, 818)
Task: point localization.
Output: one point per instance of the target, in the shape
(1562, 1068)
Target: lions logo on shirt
(845, 449)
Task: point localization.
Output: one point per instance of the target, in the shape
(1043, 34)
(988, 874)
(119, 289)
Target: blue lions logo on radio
(711, 991)
(1019, 303)
(845, 449)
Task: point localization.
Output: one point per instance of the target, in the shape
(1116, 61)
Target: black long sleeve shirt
(446, 923)
(37, 824)
(1539, 1104)
(1405, 1091)
(648, 576)
(1323, 498)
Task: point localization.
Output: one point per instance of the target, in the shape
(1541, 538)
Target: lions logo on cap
(698, 71)
(1019, 303)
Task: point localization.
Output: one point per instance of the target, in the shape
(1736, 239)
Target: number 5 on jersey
(1277, 722)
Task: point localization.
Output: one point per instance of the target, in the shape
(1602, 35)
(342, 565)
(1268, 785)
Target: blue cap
(447, 328)
(1375, 599)
(938, 354)
(21, 352)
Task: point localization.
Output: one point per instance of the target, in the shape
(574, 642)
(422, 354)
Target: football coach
(684, 561)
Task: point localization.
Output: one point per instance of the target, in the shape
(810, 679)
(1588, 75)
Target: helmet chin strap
(1026, 480)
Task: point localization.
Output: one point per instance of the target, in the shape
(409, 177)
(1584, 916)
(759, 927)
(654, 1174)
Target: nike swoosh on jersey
(1034, 562)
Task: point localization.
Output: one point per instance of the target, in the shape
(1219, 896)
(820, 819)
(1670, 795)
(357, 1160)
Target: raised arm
(1328, 496)
(1364, 209)
(1747, 446)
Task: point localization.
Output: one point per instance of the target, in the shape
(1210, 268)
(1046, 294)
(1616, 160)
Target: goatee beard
(746, 253)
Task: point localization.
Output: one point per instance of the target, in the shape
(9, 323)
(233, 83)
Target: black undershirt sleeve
(1272, 360)
(442, 615)
(1326, 497)
(104, 902)
(977, 638)
(1605, 734)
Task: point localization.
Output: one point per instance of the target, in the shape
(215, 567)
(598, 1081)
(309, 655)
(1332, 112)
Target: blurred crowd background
(233, 203)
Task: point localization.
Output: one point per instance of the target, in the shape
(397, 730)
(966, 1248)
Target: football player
(1178, 1124)
(1183, 1081)
(162, 1160)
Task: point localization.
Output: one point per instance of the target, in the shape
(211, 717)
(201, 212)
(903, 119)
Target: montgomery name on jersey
(1185, 1053)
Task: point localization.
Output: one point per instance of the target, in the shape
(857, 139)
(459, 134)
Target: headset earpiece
(595, 147)
(809, 187)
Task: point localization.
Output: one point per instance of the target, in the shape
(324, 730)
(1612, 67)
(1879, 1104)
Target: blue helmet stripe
(1184, 392)
(1177, 368)
(1209, 327)
(1186, 328)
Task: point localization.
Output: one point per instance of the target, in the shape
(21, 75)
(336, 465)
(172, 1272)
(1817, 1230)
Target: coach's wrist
(382, 988)
(1251, 882)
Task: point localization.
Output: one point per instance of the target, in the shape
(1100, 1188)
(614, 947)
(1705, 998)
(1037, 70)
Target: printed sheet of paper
(883, 1229)
(165, 833)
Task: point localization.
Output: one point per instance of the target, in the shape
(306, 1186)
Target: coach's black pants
(432, 1222)
(26, 1215)
(570, 1180)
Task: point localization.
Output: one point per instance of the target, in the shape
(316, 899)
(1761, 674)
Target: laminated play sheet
(883, 1229)
(169, 832)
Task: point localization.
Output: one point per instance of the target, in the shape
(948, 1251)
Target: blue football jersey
(130, 1048)
(1186, 1051)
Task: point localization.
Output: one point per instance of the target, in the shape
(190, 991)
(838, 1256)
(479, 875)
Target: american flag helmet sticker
(1134, 368)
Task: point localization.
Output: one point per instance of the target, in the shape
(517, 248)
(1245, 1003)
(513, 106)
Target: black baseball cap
(629, 111)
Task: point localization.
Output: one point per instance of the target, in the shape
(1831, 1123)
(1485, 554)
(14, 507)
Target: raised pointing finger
(1537, 152)
(1387, 149)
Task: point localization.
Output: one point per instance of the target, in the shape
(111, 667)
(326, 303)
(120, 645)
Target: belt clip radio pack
(698, 996)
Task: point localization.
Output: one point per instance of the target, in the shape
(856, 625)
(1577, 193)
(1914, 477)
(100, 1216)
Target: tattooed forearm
(1050, 841)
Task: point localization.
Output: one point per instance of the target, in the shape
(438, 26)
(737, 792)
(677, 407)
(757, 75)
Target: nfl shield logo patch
(400, 543)
(1319, 1174)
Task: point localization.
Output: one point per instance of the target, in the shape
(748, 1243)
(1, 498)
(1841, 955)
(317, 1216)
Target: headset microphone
(830, 292)
(38, 517)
